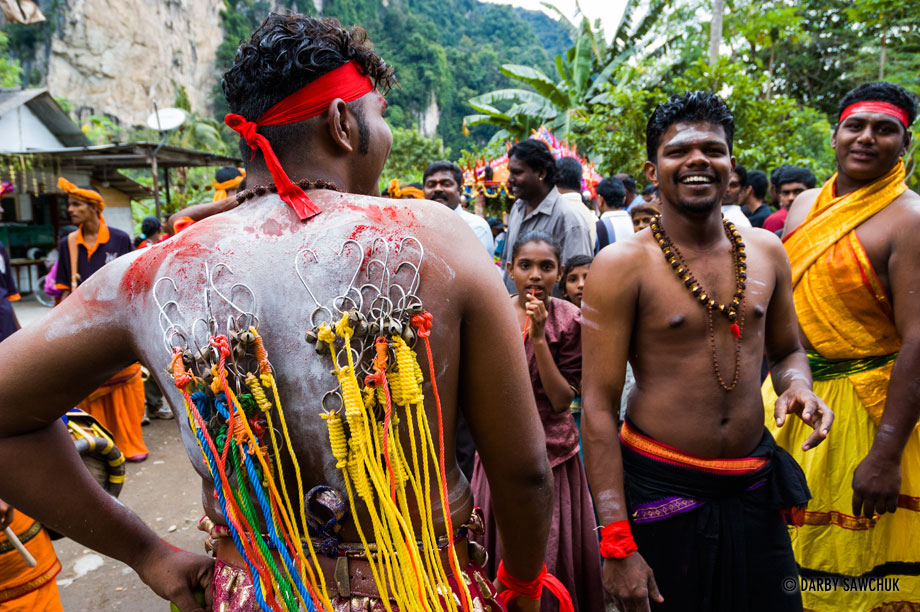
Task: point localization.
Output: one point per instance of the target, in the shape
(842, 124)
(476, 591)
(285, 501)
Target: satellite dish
(166, 119)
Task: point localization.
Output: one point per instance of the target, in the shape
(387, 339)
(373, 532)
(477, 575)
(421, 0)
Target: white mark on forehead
(692, 134)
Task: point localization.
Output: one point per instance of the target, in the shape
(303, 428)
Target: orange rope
(423, 323)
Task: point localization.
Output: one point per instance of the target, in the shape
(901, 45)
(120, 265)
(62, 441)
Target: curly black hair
(288, 52)
(881, 91)
(692, 106)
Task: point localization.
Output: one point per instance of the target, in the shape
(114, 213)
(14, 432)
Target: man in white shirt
(568, 183)
(441, 183)
(731, 205)
(615, 223)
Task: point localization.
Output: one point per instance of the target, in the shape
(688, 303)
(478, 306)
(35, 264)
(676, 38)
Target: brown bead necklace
(261, 190)
(733, 311)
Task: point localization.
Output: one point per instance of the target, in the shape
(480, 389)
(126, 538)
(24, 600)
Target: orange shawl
(840, 303)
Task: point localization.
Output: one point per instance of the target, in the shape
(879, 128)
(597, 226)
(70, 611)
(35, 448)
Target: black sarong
(713, 530)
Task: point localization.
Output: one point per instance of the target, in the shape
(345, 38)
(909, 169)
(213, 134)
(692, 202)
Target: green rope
(241, 494)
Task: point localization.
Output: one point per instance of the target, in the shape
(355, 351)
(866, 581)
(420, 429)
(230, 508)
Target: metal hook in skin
(418, 266)
(162, 307)
(384, 273)
(359, 304)
(231, 323)
(227, 298)
(300, 276)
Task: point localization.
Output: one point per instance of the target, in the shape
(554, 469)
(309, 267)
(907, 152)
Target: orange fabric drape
(840, 303)
(22, 587)
(118, 405)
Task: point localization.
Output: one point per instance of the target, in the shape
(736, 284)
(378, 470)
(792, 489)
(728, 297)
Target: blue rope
(223, 409)
(215, 475)
(279, 544)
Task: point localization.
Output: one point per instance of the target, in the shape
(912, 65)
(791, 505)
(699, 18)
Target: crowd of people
(698, 395)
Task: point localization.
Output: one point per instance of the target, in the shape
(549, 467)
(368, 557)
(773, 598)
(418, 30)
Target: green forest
(446, 50)
(496, 73)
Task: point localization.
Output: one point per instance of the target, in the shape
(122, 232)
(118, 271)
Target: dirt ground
(165, 492)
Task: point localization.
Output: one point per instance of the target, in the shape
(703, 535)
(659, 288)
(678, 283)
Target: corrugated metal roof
(135, 155)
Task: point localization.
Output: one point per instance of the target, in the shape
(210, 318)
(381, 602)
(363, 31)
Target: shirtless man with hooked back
(113, 319)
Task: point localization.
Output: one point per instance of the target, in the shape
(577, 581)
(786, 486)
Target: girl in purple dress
(551, 333)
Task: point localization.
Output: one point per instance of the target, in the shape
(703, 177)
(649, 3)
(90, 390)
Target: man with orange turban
(118, 404)
(227, 181)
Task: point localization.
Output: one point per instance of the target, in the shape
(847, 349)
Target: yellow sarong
(848, 319)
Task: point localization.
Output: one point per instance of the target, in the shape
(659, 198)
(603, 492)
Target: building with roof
(40, 143)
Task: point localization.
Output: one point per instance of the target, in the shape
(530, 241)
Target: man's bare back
(260, 252)
(114, 319)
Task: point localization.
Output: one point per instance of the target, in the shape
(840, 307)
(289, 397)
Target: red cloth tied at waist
(345, 82)
(532, 589)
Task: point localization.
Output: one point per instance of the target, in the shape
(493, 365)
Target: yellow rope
(409, 565)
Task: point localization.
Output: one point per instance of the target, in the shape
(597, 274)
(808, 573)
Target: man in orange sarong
(854, 249)
(119, 404)
(24, 588)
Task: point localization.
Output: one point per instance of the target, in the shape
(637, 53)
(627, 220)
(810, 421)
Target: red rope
(532, 589)
(422, 324)
(379, 379)
(527, 319)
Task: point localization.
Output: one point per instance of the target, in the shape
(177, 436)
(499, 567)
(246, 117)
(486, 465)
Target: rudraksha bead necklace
(261, 190)
(730, 311)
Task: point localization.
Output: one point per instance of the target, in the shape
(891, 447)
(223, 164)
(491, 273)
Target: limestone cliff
(114, 58)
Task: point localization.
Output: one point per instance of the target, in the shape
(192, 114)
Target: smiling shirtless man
(333, 133)
(693, 304)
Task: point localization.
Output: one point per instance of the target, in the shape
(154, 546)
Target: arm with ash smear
(45, 369)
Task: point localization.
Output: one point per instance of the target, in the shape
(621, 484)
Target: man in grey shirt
(539, 206)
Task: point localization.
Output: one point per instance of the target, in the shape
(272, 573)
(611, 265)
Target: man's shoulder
(761, 239)
(903, 215)
(627, 252)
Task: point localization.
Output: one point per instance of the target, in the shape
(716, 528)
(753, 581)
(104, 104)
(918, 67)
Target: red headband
(345, 82)
(871, 106)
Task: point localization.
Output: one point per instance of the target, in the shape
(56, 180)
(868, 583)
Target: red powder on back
(138, 278)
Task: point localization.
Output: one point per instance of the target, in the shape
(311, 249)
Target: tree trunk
(715, 31)
(770, 69)
(881, 61)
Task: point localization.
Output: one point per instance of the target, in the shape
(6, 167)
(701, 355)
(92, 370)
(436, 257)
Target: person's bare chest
(671, 314)
(875, 236)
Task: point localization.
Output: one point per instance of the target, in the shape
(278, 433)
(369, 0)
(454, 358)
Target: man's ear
(834, 136)
(342, 127)
(907, 138)
(651, 173)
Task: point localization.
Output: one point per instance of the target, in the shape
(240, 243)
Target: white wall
(22, 131)
(120, 217)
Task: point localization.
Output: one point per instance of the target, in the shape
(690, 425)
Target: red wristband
(533, 588)
(617, 541)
